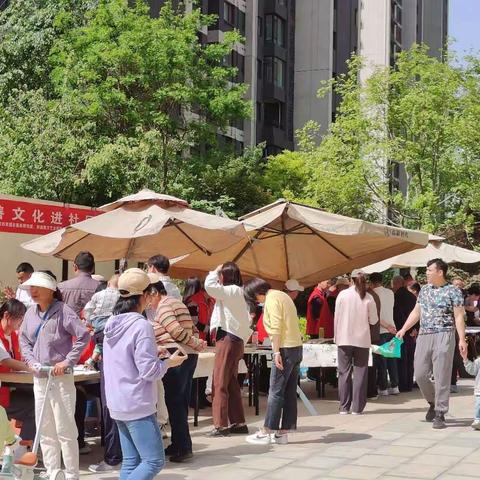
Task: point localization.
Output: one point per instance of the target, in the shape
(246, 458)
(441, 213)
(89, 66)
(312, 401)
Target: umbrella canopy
(289, 240)
(141, 225)
(436, 248)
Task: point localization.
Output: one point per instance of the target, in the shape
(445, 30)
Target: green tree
(420, 118)
(114, 100)
(28, 30)
(131, 74)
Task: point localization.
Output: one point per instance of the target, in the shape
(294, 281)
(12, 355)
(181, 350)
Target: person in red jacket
(319, 314)
(18, 403)
(200, 305)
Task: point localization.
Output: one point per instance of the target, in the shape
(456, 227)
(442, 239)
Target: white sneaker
(279, 439)
(394, 391)
(476, 425)
(383, 393)
(357, 413)
(343, 412)
(102, 467)
(259, 438)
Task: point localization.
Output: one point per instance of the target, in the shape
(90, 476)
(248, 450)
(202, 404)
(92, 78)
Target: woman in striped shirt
(174, 329)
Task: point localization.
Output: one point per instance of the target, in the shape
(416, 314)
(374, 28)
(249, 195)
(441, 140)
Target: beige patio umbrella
(436, 248)
(289, 240)
(141, 225)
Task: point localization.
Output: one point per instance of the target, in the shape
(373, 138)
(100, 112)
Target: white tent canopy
(436, 248)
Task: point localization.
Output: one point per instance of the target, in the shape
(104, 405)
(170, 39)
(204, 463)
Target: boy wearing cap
(46, 338)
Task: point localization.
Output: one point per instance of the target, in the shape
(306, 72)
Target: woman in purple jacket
(132, 368)
(47, 338)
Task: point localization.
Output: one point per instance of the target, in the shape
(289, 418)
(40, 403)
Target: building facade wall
(313, 61)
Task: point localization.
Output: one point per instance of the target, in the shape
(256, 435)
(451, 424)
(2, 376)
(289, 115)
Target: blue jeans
(142, 448)
(282, 396)
(477, 407)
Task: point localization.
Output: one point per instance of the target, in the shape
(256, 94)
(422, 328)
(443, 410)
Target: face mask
(150, 313)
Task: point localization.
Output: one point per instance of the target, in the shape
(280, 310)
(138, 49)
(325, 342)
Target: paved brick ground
(391, 441)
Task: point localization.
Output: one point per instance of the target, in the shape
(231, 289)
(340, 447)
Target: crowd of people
(144, 337)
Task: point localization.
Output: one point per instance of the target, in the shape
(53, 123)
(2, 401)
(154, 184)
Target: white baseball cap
(292, 285)
(39, 279)
(357, 273)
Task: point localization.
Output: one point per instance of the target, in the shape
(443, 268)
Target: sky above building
(464, 26)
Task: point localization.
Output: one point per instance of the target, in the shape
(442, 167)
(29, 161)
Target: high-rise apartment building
(291, 46)
(265, 61)
(329, 31)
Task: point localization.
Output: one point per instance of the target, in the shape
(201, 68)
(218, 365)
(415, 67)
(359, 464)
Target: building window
(259, 111)
(275, 30)
(259, 69)
(229, 13)
(274, 114)
(275, 71)
(260, 26)
(241, 22)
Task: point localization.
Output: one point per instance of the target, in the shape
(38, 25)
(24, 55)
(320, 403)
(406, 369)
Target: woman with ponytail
(355, 311)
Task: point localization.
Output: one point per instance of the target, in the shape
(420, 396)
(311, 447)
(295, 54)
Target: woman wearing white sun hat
(46, 338)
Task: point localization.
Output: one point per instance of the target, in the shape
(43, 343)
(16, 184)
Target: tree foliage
(420, 120)
(99, 100)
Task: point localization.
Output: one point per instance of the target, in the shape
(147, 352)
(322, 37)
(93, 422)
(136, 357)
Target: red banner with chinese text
(39, 218)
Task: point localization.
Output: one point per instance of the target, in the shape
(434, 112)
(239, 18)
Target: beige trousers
(162, 412)
(58, 430)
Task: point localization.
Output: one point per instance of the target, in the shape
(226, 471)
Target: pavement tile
(470, 469)
(441, 449)
(399, 451)
(385, 435)
(416, 471)
(345, 452)
(473, 458)
(298, 473)
(456, 477)
(358, 472)
(379, 461)
(408, 441)
(390, 442)
(320, 461)
(427, 459)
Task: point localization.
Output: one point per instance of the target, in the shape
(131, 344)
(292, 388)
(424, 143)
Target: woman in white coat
(231, 323)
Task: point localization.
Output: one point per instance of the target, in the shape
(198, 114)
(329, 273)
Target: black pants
(458, 370)
(282, 396)
(387, 365)
(405, 364)
(83, 393)
(22, 408)
(178, 385)
(112, 454)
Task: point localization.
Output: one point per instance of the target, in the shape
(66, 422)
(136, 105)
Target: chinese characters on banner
(39, 218)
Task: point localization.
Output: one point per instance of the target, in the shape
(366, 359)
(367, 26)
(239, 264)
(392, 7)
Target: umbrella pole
(203, 249)
(285, 245)
(247, 246)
